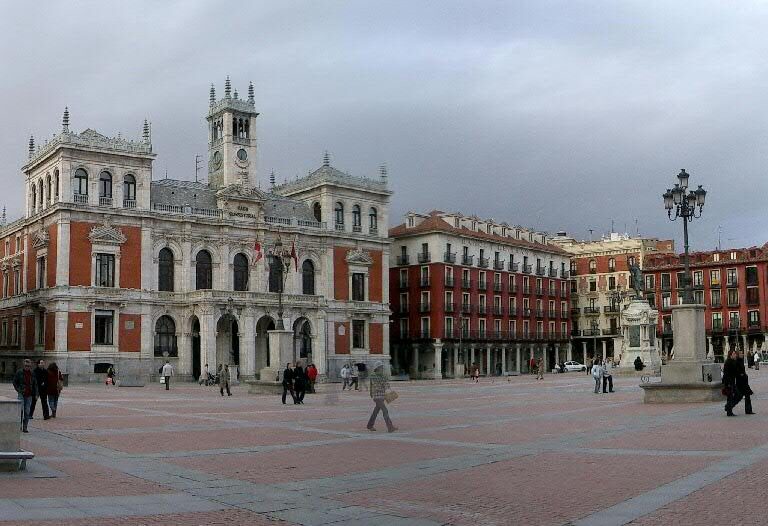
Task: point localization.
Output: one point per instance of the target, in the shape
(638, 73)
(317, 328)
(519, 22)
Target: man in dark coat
(41, 375)
(742, 384)
(300, 381)
(26, 386)
(288, 382)
(736, 383)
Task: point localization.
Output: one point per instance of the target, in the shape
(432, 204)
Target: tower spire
(31, 146)
(251, 99)
(65, 120)
(326, 159)
(236, 96)
(272, 178)
(227, 88)
(145, 133)
(383, 172)
(212, 95)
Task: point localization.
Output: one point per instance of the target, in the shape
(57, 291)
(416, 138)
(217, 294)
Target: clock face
(217, 160)
(242, 154)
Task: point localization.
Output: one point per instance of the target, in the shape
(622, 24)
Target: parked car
(574, 366)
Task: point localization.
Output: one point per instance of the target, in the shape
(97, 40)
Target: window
(339, 213)
(204, 270)
(404, 328)
(448, 327)
(105, 270)
(33, 198)
(666, 300)
(41, 273)
(630, 261)
(666, 281)
(165, 337)
(17, 282)
(611, 282)
(753, 318)
(592, 266)
(714, 278)
(165, 270)
(373, 220)
(4, 333)
(6, 284)
(698, 278)
(240, 265)
(716, 257)
(651, 300)
(717, 321)
(358, 334)
(105, 184)
(698, 297)
(15, 332)
(56, 184)
(425, 328)
(592, 285)
(48, 189)
(733, 320)
(356, 216)
(650, 282)
(358, 286)
(129, 188)
(730, 277)
(733, 296)
(317, 212)
(715, 297)
(750, 276)
(81, 182)
(611, 264)
(104, 322)
(40, 328)
(307, 277)
(753, 295)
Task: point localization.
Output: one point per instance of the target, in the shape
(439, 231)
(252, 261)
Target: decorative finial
(383, 172)
(4, 218)
(65, 120)
(326, 159)
(236, 96)
(251, 99)
(272, 178)
(227, 88)
(212, 95)
(145, 133)
(31, 146)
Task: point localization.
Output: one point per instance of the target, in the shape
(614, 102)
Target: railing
(339, 227)
(575, 311)
(481, 310)
(482, 285)
(424, 334)
(552, 313)
(611, 331)
(129, 203)
(498, 265)
(527, 269)
(105, 201)
(513, 288)
(424, 281)
(467, 260)
(450, 306)
(565, 274)
(539, 291)
(403, 259)
(540, 271)
(449, 257)
(450, 281)
(513, 311)
(754, 326)
(424, 257)
(483, 262)
(552, 273)
(498, 310)
(424, 306)
(591, 332)
(466, 308)
(575, 332)
(526, 289)
(403, 283)
(498, 286)
(373, 230)
(539, 313)
(611, 309)
(591, 310)
(403, 308)
(466, 283)
(513, 266)
(357, 228)
(81, 199)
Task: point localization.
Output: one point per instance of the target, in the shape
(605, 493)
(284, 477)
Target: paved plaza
(498, 452)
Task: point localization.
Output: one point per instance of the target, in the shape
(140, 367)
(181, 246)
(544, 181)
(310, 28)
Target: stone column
(62, 254)
(185, 352)
(605, 353)
(744, 343)
(455, 361)
(710, 350)
(557, 355)
(437, 370)
(471, 355)
(488, 370)
(247, 329)
(517, 357)
(415, 365)
(584, 350)
(568, 352)
(207, 340)
(504, 361)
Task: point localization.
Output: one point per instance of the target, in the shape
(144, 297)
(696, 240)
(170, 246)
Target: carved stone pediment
(40, 239)
(359, 257)
(107, 234)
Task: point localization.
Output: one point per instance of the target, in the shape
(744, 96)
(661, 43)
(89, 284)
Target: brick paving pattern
(494, 453)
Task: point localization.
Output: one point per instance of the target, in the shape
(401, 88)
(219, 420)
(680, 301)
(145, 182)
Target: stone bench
(12, 458)
(18, 460)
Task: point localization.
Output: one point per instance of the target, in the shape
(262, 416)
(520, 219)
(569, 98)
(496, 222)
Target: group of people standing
(297, 381)
(736, 383)
(43, 384)
(349, 377)
(601, 373)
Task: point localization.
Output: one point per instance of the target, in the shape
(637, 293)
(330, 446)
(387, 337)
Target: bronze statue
(637, 279)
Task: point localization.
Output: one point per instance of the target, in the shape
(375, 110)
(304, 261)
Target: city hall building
(109, 266)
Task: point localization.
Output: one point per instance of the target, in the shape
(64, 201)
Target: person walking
(344, 376)
(300, 381)
(532, 365)
(203, 380)
(540, 369)
(54, 383)
(224, 380)
(742, 384)
(353, 377)
(597, 374)
(730, 373)
(41, 376)
(167, 373)
(378, 387)
(312, 376)
(607, 378)
(110, 376)
(288, 382)
(25, 384)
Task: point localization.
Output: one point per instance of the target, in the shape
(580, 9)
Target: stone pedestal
(10, 431)
(280, 353)
(690, 376)
(638, 325)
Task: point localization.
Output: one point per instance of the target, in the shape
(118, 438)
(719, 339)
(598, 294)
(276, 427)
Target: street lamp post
(280, 256)
(682, 203)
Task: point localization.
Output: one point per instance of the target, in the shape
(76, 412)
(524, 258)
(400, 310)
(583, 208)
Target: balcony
(591, 311)
(424, 334)
(467, 260)
(466, 308)
(539, 313)
(564, 274)
(482, 285)
(590, 332)
(526, 312)
(105, 201)
(424, 281)
(512, 266)
(129, 203)
(450, 306)
(498, 310)
(513, 288)
(539, 291)
(340, 228)
(482, 334)
(466, 283)
(498, 264)
(716, 304)
(403, 309)
(611, 331)
(424, 257)
(357, 228)
(541, 271)
(513, 311)
(483, 262)
(526, 289)
(424, 306)
(527, 269)
(482, 310)
(449, 257)
(732, 283)
(753, 327)
(611, 309)
(497, 335)
(552, 313)
(575, 311)
(733, 302)
(81, 199)
(450, 281)
(666, 287)
(575, 333)
(552, 273)
(498, 287)
(403, 283)
(403, 259)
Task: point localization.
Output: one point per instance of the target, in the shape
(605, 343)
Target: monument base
(660, 393)
(264, 387)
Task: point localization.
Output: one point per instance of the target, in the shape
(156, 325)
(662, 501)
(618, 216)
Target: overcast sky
(554, 115)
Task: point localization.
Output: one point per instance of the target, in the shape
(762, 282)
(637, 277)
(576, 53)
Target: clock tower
(231, 138)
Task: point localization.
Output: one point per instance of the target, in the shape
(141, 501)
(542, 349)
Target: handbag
(390, 396)
(726, 391)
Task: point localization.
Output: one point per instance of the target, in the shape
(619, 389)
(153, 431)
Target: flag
(293, 255)
(259, 254)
